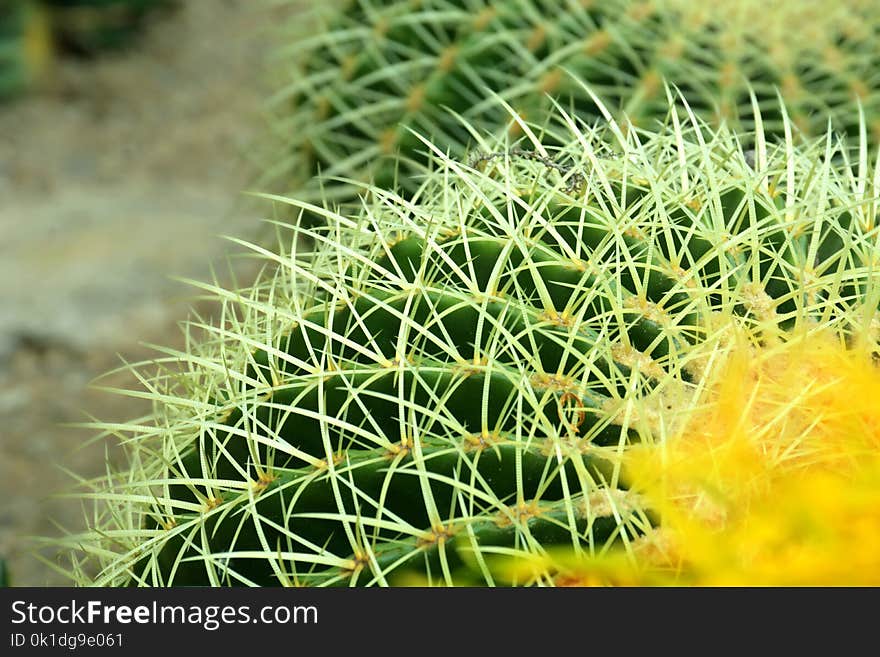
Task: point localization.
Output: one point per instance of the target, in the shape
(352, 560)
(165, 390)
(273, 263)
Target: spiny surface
(458, 374)
(380, 69)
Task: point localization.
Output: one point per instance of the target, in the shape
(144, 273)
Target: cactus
(382, 69)
(454, 376)
(25, 46)
(89, 26)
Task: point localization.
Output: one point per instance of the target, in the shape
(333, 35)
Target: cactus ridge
(454, 375)
(383, 69)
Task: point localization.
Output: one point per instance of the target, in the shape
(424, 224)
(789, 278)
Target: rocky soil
(119, 176)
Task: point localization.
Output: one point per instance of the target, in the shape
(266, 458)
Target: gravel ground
(121, 174)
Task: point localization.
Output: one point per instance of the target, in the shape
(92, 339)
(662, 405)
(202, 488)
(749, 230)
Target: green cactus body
(25, 49)
(381, 69)
(456, 376)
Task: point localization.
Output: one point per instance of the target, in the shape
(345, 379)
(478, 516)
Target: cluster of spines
(383, 70)
(458, 372)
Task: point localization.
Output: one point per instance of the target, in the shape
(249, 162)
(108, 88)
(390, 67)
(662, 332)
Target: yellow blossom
(773, 478)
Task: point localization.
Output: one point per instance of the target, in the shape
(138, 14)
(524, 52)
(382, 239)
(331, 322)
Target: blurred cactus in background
(4, 574)
(25, 46)
(384, 67)
(89, 26)
(33, 31)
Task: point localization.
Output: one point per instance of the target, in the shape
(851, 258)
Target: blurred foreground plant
(774, 478)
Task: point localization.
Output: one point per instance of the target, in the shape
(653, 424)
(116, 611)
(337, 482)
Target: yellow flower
(775, 476)
(772, 479)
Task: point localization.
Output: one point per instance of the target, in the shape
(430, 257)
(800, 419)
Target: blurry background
(118, 170)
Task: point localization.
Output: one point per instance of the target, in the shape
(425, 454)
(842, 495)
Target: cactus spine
(457, 375)
(384, 69)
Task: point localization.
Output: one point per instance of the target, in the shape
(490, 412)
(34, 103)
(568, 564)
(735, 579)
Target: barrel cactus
(25, 46)
(383, 69)
(436, 380)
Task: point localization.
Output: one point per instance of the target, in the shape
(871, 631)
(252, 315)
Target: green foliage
(452, 376)
(383, 68)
